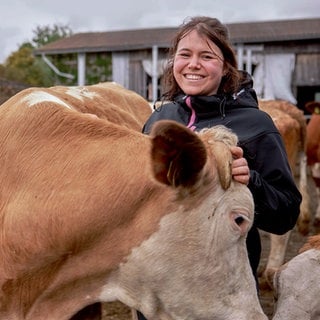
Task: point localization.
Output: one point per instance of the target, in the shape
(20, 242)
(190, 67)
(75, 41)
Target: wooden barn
(283, 56)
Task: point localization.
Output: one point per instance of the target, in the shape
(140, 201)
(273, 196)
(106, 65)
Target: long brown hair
(215, 31)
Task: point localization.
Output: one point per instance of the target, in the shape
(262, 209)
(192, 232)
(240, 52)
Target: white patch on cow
(80, 93)
(36, 97)
(298, 288)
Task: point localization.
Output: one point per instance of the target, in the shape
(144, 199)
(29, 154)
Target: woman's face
(198, 65)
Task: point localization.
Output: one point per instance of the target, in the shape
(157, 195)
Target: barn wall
(137, 76)
(305, 79)
(297, 47)
(128, 69)
(138, 80)
(307, 70)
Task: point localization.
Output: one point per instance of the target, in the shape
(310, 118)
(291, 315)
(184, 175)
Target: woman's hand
(240, 169)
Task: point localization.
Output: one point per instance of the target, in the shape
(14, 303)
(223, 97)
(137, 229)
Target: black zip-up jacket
(276, 197)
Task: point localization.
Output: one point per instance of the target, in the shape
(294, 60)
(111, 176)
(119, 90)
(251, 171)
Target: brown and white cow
(123, 107)
(297, 285)
(95, 211)
(291, 124)
(313, 150)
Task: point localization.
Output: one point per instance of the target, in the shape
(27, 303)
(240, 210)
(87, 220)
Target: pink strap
(193, 115)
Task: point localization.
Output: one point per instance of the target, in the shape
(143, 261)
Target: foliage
(22, 66)
(99, 67)
(47, 34)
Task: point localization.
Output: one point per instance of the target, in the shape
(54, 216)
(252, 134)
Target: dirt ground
(118, 311)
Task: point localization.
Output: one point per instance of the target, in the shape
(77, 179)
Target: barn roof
(245, 32)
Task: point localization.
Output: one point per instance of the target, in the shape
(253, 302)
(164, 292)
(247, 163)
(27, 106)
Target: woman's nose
(194, 63)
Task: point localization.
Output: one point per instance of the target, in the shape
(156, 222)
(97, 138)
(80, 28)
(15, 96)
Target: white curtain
(273, 77)
(147, 66)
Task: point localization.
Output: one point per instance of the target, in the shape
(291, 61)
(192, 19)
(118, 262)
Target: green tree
(46, 34)
(23, 66)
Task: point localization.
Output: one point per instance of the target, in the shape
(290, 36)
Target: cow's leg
(316, 221)
(303, 223)
(315, 171)
(278, 247)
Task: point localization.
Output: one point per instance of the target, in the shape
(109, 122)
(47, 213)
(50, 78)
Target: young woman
(204, 88)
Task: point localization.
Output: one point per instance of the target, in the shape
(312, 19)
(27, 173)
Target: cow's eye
(239, 220)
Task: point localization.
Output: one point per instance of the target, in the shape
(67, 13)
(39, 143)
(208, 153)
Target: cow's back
(111, 101)
(313, 133)
(106, 100)
(291, 124)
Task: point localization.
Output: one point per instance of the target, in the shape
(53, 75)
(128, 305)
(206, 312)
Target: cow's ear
(178, 155)
(224, 163)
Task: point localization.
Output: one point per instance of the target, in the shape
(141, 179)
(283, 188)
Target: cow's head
(195, 266)
(182, 160)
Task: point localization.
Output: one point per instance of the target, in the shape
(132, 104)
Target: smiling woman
(205, 88)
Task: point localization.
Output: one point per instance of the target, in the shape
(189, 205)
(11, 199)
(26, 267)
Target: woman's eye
(211, 57)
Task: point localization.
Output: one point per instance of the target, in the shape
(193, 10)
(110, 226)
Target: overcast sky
(19, 18)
